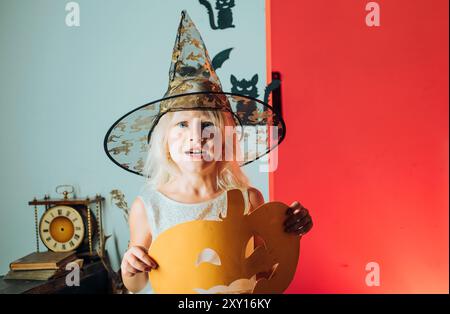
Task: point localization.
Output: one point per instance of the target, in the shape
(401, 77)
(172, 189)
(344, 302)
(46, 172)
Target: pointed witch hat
(193, 85)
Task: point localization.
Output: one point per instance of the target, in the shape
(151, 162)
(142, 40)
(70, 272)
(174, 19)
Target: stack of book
(42, 265)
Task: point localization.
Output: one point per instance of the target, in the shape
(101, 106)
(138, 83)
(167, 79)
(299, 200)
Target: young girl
(187, 163)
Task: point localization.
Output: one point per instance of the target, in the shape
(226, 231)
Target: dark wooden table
(93, 279)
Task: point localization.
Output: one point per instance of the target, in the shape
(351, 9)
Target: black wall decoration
(243, 86)
(275, 88)
(247, 88)
(224, 13)
(220, 58)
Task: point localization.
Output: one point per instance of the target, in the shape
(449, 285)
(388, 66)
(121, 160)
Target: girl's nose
(195, 140)
(196, 133)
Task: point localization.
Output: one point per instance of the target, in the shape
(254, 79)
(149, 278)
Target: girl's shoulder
(146, 195)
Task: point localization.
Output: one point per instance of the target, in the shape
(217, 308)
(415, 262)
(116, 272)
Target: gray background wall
(62, 87)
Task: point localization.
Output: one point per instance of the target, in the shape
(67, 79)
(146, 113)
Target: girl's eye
(182, 124)
(207, 124)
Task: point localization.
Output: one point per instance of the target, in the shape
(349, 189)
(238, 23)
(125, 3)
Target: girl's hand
(136, 260)
(298, 222)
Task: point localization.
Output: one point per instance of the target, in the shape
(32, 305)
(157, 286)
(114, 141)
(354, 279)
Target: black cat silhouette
(224, 14)
(245, 88)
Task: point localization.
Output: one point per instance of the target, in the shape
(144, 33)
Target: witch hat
(193, 85)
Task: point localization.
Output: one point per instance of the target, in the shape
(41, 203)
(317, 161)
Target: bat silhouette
(220, 58)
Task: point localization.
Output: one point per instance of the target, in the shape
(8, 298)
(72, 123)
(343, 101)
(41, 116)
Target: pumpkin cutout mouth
(242, 285)
(254, 245)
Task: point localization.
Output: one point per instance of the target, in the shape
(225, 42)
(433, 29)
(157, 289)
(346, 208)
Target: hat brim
(126, 142)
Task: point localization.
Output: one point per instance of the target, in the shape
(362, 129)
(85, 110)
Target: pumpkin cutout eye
(250, 248)
(208, 256)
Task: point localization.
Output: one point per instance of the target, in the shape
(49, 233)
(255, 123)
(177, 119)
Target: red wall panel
(367, 141)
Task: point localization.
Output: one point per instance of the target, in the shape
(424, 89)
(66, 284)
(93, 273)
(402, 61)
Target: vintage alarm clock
(69, 224)
(62, 228)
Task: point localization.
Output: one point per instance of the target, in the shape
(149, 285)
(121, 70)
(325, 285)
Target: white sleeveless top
(164, 213)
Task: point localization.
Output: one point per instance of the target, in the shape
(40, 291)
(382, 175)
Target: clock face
(61, 229)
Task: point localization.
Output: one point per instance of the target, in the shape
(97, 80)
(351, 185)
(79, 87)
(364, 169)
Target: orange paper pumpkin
(209, 256)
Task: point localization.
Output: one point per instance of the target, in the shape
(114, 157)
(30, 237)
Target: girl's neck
(192, 186)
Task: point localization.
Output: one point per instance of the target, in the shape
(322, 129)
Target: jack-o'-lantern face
(208, 256)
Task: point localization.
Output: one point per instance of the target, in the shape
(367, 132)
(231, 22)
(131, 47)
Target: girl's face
(193, 140)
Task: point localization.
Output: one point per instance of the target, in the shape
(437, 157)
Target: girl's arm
(136, 261)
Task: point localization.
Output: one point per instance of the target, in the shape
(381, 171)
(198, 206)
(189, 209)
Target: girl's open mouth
(193, 152)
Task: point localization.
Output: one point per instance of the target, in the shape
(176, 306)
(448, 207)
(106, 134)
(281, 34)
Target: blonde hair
(160, 169)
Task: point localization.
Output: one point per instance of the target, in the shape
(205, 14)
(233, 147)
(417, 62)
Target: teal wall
(62, 87)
